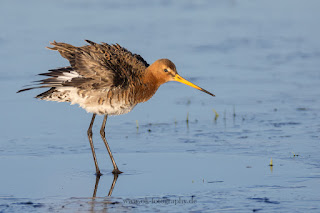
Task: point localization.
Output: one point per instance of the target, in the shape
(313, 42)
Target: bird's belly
(115, 109)
(98, 103)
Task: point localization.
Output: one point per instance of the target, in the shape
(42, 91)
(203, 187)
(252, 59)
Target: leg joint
(89, 132)
(102, 133)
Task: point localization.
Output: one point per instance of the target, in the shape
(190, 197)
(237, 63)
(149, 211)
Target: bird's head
(164, 70)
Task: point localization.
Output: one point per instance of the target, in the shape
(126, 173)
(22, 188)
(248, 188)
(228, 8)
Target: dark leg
(92, 147)
(103, 135)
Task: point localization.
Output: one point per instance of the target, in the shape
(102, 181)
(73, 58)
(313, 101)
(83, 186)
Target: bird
(105, 79)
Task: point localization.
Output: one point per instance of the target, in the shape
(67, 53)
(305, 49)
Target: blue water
(260, 59)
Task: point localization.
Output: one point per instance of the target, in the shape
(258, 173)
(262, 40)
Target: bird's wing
(101, 65)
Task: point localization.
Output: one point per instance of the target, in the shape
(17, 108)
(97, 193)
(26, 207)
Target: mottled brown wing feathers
(66, 50)
(105, 65)
(94, 66)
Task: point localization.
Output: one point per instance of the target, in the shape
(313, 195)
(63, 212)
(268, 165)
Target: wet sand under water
(261, 60)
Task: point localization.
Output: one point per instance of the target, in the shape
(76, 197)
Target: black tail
(46, 93)
(49, 82)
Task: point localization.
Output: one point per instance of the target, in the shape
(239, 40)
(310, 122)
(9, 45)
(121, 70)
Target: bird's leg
(103, 135)
(98, 173)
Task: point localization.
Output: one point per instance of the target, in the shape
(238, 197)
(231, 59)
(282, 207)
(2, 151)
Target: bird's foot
(98, 173)
(116, 171)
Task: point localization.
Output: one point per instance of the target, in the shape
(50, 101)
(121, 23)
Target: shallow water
(261, 60)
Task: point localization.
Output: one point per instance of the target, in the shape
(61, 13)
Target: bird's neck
(148, 87)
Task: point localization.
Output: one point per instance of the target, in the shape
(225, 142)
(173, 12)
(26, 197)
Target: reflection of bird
(115, 177)
(106, 80)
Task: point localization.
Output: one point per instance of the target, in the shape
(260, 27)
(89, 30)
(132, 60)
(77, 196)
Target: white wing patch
(67, 76)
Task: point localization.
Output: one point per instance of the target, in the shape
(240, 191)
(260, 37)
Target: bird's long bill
(178, 78)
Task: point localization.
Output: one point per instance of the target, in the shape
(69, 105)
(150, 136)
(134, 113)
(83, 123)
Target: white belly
(107, 109)
(91, 103)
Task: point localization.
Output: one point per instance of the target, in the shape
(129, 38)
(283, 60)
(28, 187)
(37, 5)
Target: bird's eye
(165, 70)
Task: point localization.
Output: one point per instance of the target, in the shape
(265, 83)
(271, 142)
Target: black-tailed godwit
(105, 80)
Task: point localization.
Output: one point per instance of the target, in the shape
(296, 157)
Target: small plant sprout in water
(187, 119)
(216, 115)
(271, 163)
(137, 124)
(295, 155)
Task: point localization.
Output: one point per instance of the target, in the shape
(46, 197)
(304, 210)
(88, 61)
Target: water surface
(260, 59)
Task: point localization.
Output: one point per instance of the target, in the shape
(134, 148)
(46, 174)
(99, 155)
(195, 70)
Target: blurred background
(260, 59)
